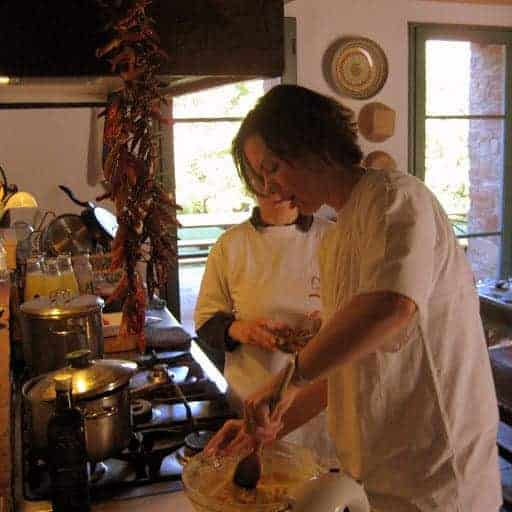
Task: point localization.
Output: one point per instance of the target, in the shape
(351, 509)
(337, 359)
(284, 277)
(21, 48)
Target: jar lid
(61, 307)
(91, 378)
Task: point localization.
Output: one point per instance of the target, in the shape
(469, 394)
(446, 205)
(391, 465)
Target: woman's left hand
(267, 416)
(231, 439)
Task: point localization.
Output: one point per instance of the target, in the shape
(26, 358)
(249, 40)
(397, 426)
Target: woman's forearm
(308, 402)
(366, 324)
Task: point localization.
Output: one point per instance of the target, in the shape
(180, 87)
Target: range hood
(47, 49)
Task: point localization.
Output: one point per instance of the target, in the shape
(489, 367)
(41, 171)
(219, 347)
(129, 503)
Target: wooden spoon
(248, 471)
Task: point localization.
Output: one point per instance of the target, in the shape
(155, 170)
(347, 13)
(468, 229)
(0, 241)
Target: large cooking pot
(54, 326)
(100, 390)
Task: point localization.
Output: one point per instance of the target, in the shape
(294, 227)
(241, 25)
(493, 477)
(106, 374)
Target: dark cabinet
(58, 38)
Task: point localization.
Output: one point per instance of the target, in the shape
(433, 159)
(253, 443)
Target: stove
(178, 400)
(498, 292)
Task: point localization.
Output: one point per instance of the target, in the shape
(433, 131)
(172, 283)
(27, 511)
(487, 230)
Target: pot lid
(61, 306)
(90, 378)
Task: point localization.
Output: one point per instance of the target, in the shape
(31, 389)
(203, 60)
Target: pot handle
(79, 358)
(97, 415)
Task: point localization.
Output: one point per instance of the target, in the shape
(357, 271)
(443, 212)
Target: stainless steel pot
(100, 390)
(52, 327)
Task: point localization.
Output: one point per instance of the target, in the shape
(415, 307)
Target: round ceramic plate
(359, 68)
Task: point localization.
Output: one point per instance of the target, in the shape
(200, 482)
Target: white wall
(43, 148)
(321, 22)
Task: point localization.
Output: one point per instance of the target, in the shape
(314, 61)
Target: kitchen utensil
(376, 122)
(101, 223)
(67, 234)
(54, 326)
(331, 492)
(248, 470)
(380, 160)
(100, 389)
(208, 481)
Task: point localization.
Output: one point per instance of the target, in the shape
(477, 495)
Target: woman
(261, 282)
(411, 402)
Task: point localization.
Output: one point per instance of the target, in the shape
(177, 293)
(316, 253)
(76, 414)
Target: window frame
(419, 33)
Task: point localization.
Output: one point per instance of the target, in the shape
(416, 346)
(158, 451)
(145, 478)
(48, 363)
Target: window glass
(464, 168)
(465, 78)
(233, 100)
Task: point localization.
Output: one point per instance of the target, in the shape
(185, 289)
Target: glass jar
(51, 276)
(34, 279)
(68, 279)
(83, 272)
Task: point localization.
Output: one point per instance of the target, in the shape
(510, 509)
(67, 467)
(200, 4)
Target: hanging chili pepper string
(146, 213)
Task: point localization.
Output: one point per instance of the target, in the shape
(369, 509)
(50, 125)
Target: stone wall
(485, 140)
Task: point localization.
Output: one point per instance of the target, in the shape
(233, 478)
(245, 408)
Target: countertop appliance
(178, 401)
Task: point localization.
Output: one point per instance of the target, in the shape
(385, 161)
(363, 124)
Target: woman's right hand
(256, 332)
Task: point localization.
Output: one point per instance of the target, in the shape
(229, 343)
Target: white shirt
(418, 426)
(270, 272)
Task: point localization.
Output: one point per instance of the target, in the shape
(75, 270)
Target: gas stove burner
(142, 411)
(97, 471)
(502, 284)
(159, 374)
(196, 441)
(183, 455)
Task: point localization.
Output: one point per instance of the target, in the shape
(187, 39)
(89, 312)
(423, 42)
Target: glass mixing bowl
(208, 481)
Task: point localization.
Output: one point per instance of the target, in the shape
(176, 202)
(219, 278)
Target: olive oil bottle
(67, 452)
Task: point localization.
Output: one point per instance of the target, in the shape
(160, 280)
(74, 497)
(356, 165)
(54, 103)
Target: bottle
(67, 275)
(51, 276)
(34, 279)
(83, 272)
(67, 462)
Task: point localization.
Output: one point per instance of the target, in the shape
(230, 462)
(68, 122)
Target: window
(460, 119)
(207, 185)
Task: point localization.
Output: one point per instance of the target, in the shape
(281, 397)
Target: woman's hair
(299, 125)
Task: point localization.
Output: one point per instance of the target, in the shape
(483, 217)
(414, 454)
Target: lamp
(11, 198)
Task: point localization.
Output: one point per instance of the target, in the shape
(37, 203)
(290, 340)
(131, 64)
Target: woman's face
(289, 182)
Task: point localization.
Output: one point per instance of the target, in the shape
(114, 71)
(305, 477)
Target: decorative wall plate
(359, 67)
(379, 160)
(376, 122)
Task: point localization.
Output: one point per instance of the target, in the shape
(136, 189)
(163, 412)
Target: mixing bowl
(208, 481)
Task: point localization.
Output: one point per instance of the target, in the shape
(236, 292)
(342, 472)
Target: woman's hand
(231, 439)
(261, 332)
(262, 423)
(265, 415)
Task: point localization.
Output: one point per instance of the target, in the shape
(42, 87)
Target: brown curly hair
(299, 125)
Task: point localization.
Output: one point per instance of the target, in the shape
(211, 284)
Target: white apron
(266, 273)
